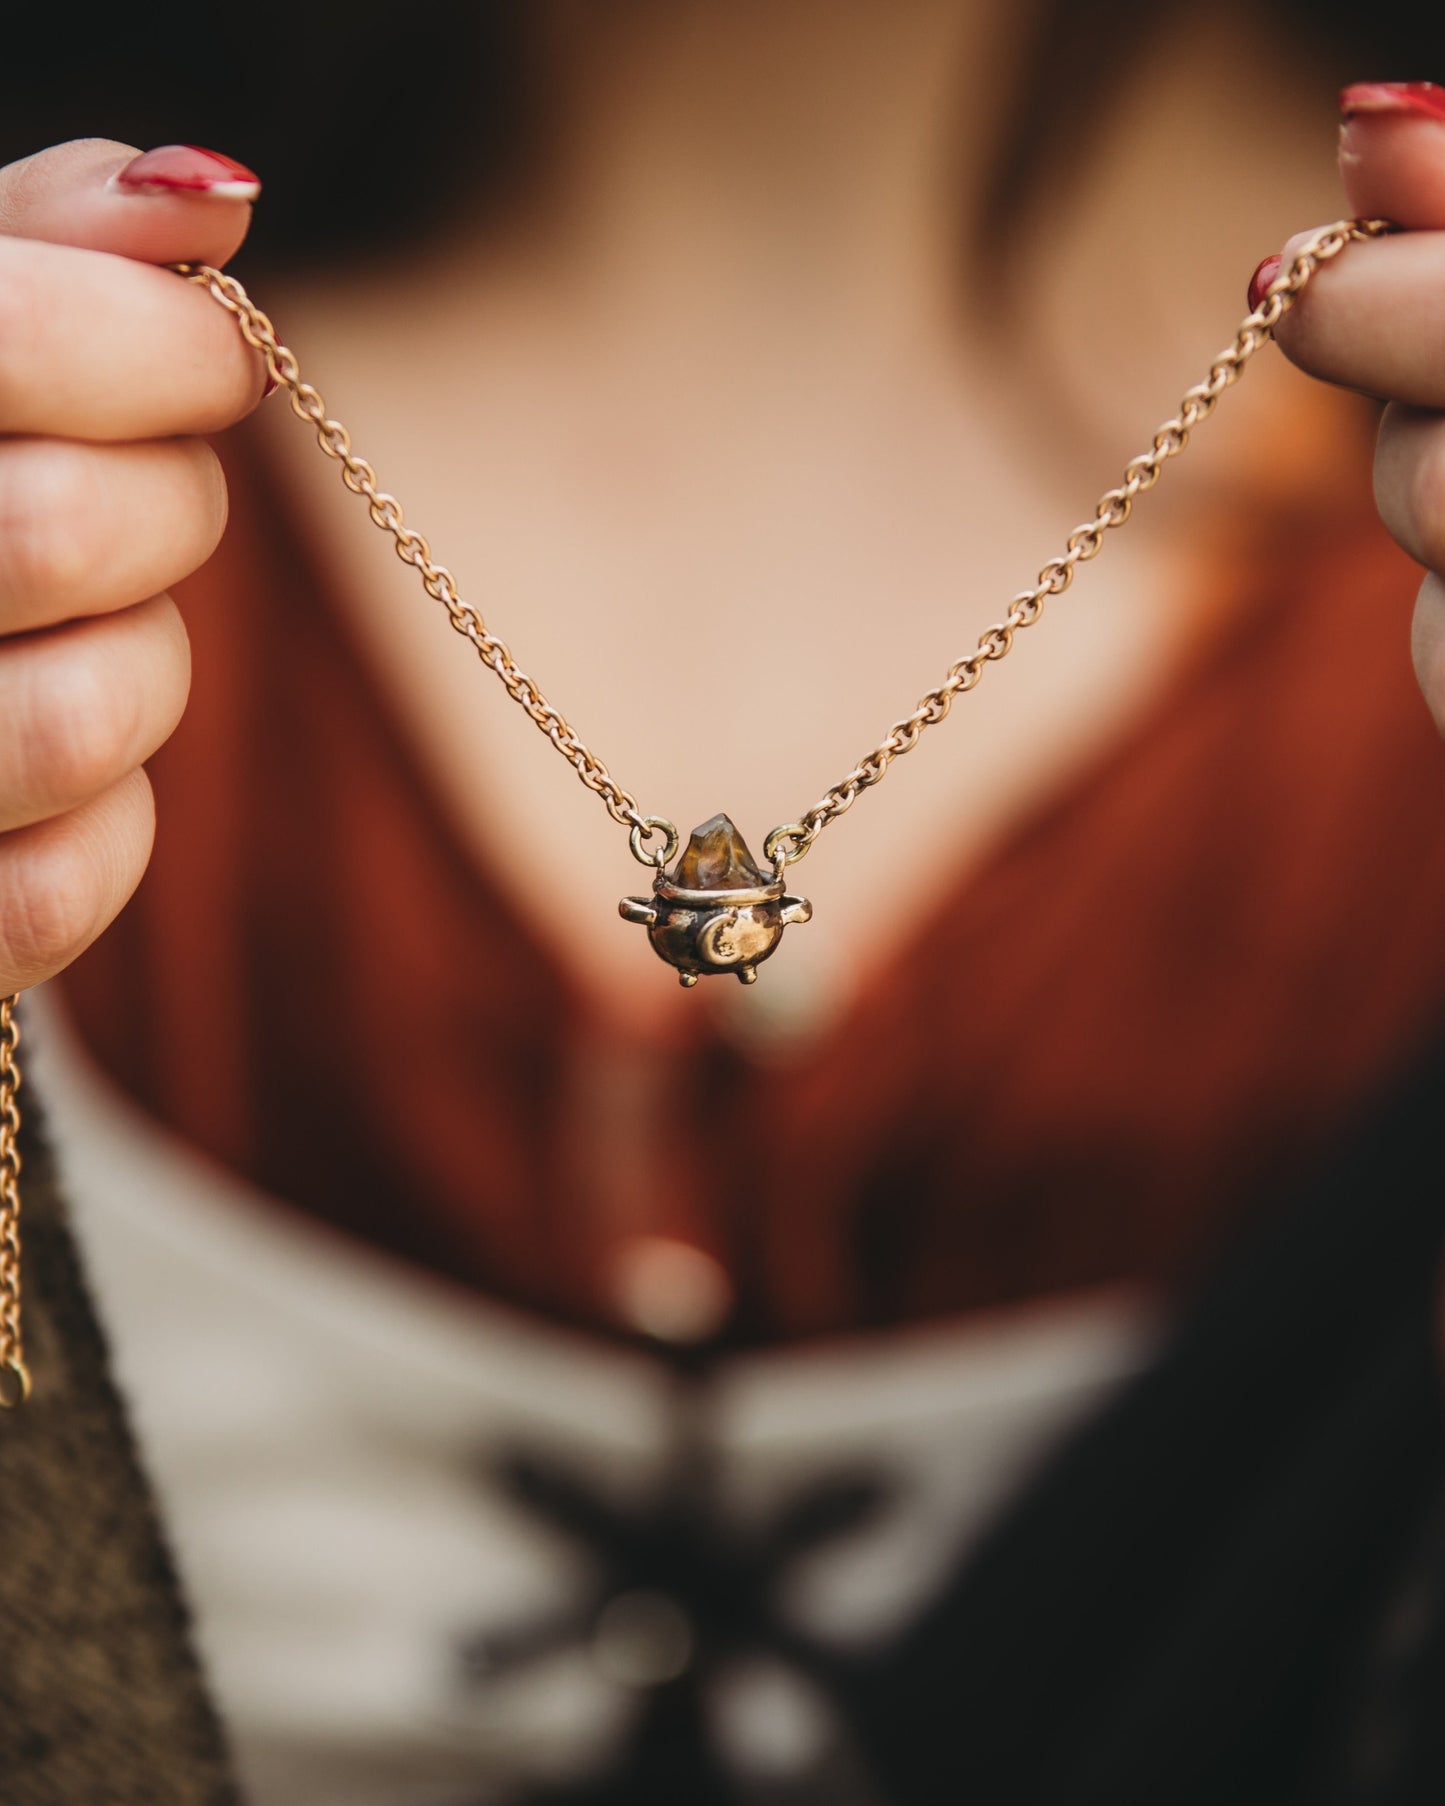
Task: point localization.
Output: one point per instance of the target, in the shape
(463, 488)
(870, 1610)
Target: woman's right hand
(110, 370)
(1375, 321)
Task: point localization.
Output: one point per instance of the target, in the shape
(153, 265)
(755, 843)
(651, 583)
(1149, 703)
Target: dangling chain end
(14, 1375)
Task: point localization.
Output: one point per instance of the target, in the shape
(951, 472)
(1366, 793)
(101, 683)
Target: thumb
(178, 204)
(1392, 152)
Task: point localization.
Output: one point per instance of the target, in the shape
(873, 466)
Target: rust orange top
(1155, 1003)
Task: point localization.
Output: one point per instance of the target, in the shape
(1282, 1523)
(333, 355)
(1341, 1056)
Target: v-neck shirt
(1153, 1004)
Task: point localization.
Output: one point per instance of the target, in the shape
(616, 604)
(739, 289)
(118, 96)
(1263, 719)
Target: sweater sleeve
(104, 1698)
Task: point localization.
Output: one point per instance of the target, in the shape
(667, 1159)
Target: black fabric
(1228, 1588)
(1182, 1609)
(101, 1700)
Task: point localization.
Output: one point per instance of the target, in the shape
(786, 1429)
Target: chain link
(14, 1375)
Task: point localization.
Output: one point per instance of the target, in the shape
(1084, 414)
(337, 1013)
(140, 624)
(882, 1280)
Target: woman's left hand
(1375, 321)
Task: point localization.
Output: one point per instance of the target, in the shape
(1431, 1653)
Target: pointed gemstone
(717, 858)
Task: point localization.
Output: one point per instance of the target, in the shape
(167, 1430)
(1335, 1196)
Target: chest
(728, 621)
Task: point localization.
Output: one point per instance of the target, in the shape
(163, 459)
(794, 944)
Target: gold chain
(1113, 509)
(436, 579)
(14, 1375)
(785, 845)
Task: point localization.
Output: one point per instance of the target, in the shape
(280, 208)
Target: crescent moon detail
(719, 943)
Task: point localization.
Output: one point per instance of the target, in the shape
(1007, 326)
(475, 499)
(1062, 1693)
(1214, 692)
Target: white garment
(315, 1419)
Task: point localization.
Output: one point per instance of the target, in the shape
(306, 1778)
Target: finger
(1428, 645)
(1392, 152)
(86, 529)
(1374, 319)
(1410, 481)
(82, 705)
(1370, 321)
(64, 880)
(174, 205)
(100, 347)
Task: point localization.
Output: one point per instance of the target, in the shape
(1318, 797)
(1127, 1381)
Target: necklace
(716, 911)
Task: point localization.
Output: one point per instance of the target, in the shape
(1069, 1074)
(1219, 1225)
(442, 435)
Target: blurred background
(999, 1350)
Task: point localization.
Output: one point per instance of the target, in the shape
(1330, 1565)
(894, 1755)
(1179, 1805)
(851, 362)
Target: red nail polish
(272, 385)
(1262, 278)
(1421, 98)
(187, 169)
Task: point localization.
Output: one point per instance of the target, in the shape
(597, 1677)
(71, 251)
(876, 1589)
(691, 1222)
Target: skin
(111, 369)
(740, 435)
(1376, 323)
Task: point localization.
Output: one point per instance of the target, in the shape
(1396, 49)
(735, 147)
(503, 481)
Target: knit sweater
(103, 1699)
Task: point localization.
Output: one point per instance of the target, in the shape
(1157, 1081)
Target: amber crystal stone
(716, 857)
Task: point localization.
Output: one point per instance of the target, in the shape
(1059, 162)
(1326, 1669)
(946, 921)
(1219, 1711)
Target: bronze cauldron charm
(716, 911)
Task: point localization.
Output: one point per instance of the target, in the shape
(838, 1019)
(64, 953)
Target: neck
(728, 166)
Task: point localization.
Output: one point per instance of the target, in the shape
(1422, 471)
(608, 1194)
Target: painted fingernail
(272, 385)
(187, 169)
(1424, 99)
(1262, 278)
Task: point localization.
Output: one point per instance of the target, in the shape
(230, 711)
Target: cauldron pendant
(716, 911)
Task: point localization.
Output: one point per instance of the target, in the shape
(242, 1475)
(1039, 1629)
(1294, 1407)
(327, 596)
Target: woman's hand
(109, 368)
(1375, 321)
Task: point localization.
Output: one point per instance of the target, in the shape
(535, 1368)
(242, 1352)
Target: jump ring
(773, 845)
(644, 830)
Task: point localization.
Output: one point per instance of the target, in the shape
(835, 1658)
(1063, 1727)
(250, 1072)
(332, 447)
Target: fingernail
(1421, 98)
(272, 385)
(187, 169)
(1262, 278)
